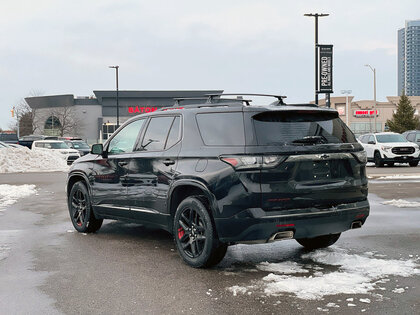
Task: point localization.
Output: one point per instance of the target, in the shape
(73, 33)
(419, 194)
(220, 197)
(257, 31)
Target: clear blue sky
(59, 47)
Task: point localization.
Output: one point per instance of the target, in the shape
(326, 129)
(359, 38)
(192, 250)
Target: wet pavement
(47, 268)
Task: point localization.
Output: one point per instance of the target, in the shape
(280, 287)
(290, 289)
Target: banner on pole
(325, 75)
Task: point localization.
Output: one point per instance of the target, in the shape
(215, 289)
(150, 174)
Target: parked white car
(389, 148)
(70, 155)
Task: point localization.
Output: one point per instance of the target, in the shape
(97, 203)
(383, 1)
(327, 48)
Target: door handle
(122, 163)
(169, 162)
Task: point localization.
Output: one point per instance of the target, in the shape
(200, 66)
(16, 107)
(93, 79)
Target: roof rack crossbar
(279, 97)
(180, 99)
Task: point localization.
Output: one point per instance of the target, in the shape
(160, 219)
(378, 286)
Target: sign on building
(366, 113)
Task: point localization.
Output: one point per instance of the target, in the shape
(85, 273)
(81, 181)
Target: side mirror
(97, 148)
(371, 142)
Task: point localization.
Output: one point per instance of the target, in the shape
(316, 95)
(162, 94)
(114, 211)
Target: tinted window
(174, 133)
(155, 136)
(221, 128)
(124, 141)
(8, 137)
(300, 127)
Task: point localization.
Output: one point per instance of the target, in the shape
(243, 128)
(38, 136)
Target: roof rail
(279, 97)
(211, 101)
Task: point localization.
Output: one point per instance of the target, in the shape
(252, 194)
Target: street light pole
(118, 108)
(374, 92)
(347, 92)
(316, 15)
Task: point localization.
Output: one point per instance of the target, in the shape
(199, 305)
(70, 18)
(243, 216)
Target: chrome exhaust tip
(283, 235)
(356, 224)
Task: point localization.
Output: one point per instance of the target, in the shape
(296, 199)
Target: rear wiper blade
(310, 140)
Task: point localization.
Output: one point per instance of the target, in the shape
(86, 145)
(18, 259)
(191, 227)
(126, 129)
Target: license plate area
(321, 170)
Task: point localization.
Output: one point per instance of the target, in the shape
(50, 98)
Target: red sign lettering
(137, 109)
(365, 113)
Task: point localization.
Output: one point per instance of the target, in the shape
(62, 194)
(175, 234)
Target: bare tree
(26, 116)
(70, 123)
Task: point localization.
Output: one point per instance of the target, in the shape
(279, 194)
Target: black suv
(224, 172)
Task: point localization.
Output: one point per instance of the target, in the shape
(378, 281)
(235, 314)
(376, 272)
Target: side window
(156, 134)
(372, 138)
(124, 141)
(417, 137)
(39, 145)
(224, 129)
(174, 133)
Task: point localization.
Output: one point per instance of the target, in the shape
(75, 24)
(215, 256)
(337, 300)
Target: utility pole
(347, 92)
(118, 108)
(316, 15)
(374, 93)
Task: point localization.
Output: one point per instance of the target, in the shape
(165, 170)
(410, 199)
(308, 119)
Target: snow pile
(353, 274)
(18, 160)
(401, 203)
(10, 194)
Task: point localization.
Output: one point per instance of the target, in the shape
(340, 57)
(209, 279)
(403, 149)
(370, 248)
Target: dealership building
(93, 118)
(360, 114)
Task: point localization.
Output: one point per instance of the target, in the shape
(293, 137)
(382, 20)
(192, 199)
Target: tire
(390, 163)
(195, 235)
(378, 160)
(319, 241)
(414, 163)
(80, 210)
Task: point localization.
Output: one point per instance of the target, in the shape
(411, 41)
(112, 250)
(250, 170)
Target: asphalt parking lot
(48, 268)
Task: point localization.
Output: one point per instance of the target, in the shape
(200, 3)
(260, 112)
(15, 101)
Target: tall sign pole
(316, 15)
(118, 107)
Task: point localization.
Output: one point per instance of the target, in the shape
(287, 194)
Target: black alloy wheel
(191, 232)
(195, 235)
(80, 209)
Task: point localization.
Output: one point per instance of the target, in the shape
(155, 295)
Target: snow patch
(237, 289)
(286, 267)
(398, 290)
(400, 177)
(19, 160)
(10, 194)
(400, 203)
(356, 274)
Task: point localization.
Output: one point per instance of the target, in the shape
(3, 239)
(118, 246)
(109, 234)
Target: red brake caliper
(181, 232)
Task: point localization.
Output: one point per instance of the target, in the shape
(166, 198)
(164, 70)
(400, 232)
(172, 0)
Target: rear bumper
(257, 226)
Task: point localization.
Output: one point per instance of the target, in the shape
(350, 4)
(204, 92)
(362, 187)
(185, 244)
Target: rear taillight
(361, 156)
(249, 162)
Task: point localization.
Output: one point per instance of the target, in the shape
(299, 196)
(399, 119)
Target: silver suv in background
(389, 148)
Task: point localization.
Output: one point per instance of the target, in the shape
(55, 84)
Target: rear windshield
(390, 138)
(301, 128)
